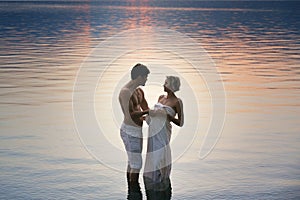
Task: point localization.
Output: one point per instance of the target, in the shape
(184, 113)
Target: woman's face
(167, 85)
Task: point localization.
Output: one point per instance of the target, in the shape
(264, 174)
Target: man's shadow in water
(154, 191)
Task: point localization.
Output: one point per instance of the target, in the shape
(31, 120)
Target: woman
(158, 160)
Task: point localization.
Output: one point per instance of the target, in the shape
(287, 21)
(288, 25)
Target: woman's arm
(180, 120)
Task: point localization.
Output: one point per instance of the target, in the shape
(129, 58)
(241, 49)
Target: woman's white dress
(158, 159)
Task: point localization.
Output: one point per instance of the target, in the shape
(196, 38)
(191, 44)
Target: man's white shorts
(133, 141)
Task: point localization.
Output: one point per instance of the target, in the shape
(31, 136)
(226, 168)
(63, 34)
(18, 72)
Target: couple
(135, 109)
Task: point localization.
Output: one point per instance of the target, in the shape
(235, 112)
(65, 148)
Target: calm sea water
(255, 47)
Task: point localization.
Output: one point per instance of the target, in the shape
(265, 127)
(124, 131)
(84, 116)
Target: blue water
(255, 46)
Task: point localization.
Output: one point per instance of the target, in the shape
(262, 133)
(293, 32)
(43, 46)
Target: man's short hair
(139, 70)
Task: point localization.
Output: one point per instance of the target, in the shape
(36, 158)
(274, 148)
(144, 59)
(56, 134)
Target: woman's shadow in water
(154, 191)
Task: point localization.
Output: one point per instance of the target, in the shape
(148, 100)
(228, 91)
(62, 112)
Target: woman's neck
(170, 95)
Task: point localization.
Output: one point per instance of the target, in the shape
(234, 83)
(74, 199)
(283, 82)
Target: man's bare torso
(134, 100)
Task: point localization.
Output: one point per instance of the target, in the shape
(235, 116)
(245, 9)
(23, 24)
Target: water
(255, 47)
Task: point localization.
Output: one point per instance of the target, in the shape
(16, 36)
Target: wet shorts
(133, 141)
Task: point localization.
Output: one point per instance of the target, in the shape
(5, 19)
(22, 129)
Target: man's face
(143, 79)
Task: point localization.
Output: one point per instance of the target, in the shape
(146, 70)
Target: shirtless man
(134, 106)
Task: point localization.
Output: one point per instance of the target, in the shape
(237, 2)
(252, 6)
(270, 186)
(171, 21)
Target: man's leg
(134, 189)
(128, 174)
(136, 158)
(134, 175)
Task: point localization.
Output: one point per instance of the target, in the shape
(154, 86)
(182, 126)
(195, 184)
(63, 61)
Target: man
(134, 106)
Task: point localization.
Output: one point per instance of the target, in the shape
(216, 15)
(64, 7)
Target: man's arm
(136, 113)
(144, 103)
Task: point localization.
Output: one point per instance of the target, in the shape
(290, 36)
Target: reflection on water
(255, 46)
(158, 191)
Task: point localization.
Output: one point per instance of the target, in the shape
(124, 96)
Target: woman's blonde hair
(174, 83)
